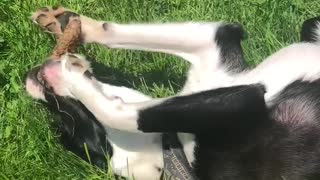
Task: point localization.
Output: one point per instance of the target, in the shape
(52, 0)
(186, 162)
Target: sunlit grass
(28, 147)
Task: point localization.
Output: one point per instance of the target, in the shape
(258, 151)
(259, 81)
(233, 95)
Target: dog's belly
(297, 61)
(136, 155)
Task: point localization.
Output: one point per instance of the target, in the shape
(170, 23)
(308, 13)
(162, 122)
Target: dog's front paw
(53, 19)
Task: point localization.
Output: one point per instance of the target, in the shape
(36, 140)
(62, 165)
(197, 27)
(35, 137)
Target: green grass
(29, 149)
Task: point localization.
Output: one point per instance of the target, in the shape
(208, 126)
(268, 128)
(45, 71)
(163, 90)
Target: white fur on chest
(137, 155)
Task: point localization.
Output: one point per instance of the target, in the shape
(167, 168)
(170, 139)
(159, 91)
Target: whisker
(60, 110)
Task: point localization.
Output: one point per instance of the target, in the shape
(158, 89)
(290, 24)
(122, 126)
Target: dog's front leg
(107, 107)
(237, 107)
(193, 41)
(173, 38)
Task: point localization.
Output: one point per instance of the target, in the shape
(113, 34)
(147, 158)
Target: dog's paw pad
(53, 19)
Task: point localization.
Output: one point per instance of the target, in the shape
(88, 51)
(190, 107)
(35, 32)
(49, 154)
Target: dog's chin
(33, 84)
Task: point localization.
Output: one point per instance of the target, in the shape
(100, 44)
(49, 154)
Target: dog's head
(78, 127)
(56, 75)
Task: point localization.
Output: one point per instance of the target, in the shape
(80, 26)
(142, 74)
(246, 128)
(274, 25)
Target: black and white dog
(233, 123)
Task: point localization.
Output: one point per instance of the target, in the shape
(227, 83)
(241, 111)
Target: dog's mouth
(38, 77)
(36, 84)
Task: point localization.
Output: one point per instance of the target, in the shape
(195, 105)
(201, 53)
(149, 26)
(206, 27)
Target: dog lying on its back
(224, 124)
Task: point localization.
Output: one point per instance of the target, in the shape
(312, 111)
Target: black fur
(238, 138)
(297, 112)
(77, 126)
(307, 33)
(232, 107)
(286, 146)
(228, 38)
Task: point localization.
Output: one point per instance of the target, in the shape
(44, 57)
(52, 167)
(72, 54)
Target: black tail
(310, 31)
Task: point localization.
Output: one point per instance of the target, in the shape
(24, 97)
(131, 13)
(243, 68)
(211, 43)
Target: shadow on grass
(117, 77)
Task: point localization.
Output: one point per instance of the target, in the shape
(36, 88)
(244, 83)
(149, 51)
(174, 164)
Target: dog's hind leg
(212, 48)
(310, 31)
(206, 45)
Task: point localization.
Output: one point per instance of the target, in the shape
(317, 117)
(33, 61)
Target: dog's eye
(77, 64)
(72, 56)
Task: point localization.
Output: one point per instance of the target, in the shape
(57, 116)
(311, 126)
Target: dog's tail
(310, 31)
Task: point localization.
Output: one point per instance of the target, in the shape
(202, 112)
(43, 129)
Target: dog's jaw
(33, 86)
